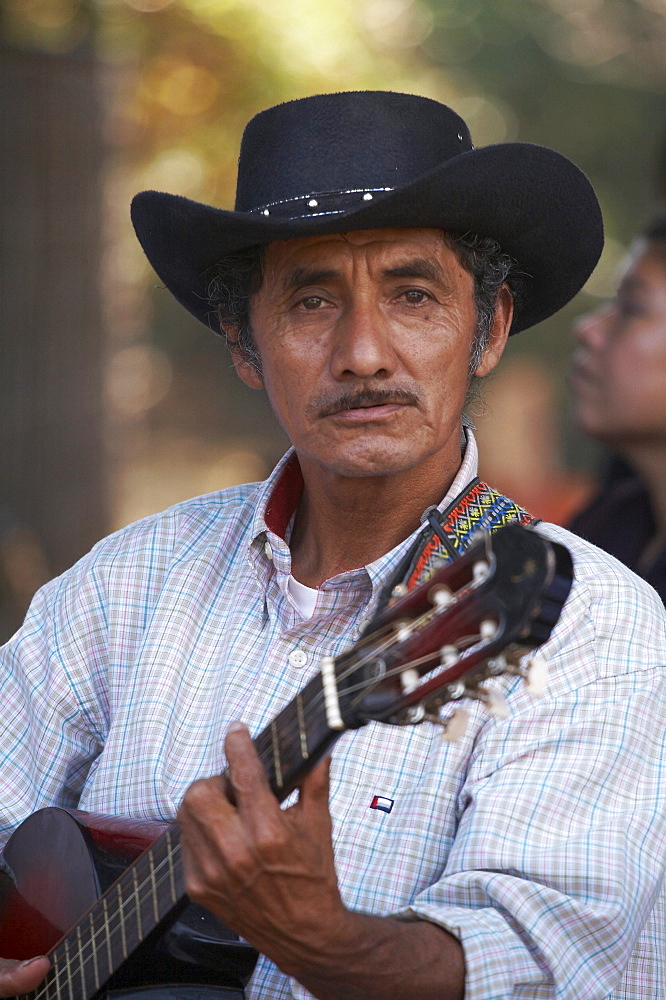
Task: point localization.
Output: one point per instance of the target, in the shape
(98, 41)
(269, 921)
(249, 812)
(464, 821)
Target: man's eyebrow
(302, 276)
(416, 267)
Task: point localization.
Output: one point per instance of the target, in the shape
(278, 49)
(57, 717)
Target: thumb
(22, 977)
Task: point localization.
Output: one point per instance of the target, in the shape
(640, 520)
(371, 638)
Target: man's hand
(269, 874)
(266, 872)
(21, 977)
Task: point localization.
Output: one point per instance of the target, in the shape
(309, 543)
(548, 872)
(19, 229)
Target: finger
(314, 790)
(205, 802)
(22, 977)
(247, 777)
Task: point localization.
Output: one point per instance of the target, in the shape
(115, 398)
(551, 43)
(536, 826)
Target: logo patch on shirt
(379, 802)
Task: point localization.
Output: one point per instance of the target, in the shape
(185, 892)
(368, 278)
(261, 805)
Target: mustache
(326, 405)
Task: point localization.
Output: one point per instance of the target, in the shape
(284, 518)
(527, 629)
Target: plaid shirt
(538, 840)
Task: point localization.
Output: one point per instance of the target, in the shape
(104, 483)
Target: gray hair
(239, 276)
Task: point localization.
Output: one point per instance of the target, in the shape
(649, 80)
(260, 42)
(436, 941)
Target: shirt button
(297, 658)
(268, 550)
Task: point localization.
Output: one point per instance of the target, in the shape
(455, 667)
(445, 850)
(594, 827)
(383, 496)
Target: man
(527, 858)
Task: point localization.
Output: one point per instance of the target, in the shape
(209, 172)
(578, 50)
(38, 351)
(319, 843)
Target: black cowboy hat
(375, 160)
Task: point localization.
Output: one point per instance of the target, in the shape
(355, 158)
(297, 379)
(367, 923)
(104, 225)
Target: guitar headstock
(475, 618)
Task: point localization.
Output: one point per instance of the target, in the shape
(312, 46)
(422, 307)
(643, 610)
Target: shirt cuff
(497, 962)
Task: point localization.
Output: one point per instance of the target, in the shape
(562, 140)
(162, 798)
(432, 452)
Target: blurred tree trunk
(51, 328)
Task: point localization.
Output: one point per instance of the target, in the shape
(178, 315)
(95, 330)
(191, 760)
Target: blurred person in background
(374, 267)
(619, 385)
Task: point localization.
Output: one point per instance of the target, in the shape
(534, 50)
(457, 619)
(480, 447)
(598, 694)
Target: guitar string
(375, 649)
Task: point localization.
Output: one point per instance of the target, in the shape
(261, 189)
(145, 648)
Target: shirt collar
(278, 497)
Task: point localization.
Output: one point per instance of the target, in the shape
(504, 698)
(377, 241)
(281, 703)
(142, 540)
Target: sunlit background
(114, 402)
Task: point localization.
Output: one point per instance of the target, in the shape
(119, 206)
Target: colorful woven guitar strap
(447, 533)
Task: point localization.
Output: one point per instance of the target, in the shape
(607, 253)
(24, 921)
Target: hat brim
(537, 204)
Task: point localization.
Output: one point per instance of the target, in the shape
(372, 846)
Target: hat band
(319, 203)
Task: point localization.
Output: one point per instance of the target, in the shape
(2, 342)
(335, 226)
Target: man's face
(365, 341)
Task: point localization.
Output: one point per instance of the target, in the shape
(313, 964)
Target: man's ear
(499, 332)
(244, 369)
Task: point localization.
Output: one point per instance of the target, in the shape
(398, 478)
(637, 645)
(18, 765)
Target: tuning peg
(403, 632)
(495, 703)
(440, 596)
(487, 628)
(536, 676)
(409, 680)
(502, 664)
(455, 726)
(480, 571)
(448, 656)
(398, 591)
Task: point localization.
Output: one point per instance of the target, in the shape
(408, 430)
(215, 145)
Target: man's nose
(363, 346)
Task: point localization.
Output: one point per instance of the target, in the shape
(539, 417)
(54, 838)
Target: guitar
(120, 919)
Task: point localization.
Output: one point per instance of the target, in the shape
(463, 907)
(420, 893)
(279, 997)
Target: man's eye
(415, 296)
(312, 302)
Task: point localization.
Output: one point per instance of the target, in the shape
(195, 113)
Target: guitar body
(63, 860)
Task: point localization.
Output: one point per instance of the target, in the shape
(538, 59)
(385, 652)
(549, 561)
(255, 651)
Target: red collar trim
(284, 499)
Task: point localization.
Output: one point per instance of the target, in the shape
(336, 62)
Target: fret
(93, 948)
(81, 962)
(68, 968)
(121, 917)
(138, 903)
(314, 714)
(301, 727)
(172, 880)
(105, 917)
(276, 755)
(153, 883)
(295, 738)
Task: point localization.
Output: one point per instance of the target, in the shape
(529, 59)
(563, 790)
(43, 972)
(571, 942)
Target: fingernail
(236, 727)
(29, 961)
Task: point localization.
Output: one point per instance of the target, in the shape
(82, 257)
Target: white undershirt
(304, 597)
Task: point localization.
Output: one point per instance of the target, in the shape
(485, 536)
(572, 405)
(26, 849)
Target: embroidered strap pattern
(479, 508)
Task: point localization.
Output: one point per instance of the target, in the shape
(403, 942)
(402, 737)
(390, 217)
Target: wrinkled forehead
(383, 247)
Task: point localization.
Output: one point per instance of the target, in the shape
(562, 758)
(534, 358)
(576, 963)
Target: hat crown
(366, 140)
